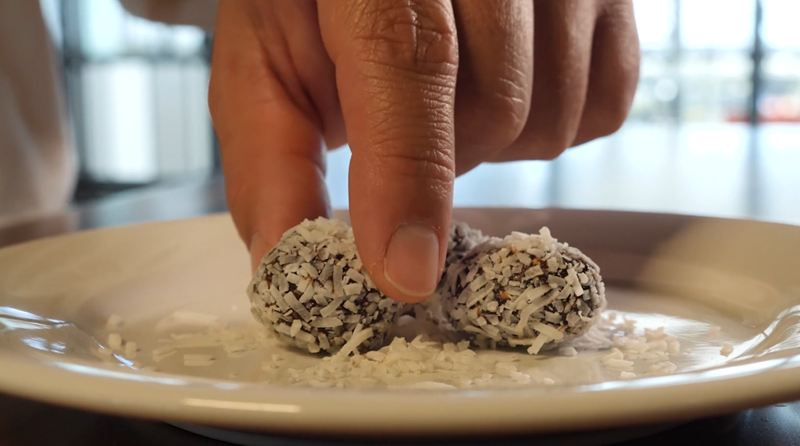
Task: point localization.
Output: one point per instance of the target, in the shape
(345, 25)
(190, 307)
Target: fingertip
(411, 264)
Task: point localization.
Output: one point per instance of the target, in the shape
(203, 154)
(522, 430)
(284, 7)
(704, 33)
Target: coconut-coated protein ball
(523, 290)
(462, 239)
(313, 291)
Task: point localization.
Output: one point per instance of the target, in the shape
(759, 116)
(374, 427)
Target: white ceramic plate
(683, 273)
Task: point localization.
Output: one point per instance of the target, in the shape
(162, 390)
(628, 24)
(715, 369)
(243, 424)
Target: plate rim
(273, 407)
(515, 408)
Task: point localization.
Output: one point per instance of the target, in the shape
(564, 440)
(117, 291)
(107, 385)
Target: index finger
(272, 152)
(396, 64)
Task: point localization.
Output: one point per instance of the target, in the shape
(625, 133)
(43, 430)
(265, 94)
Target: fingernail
(412, 260)
(258, 249)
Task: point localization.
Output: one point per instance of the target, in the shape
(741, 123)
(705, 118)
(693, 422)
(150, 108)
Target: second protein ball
(523, 290)
(462, 239)
(313, 291)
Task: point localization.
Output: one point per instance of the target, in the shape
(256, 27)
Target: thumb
(396, 64)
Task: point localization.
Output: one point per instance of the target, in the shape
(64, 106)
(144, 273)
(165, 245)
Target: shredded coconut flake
(114, 322)
(130, 350)
(727, 349)
(114, 341)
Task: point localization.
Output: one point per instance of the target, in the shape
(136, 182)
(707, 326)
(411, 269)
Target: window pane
(715, 87)
(657, 91)
(779, 158)
(779, 28)
(693, 168)
(780, 99)
(146, 121)
(655, 22)
(107, 30)
(717, 24)
(120, 129)
(101, 24)
(51, 11)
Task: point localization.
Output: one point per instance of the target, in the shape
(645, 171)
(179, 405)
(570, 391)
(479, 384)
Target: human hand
(405, 83)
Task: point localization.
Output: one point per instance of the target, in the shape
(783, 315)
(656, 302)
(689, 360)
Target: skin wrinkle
(438, 154)
(437, 101)
(417, 42)
(386, 113)
(384, 143)
(513, 108)
(429, 82)
(438, 179)
(441, 182)
(432, 72)
(506, 101)
(395, 123)
(438, 132)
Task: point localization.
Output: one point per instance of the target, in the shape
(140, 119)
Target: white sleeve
(37, 163)
(200, 13)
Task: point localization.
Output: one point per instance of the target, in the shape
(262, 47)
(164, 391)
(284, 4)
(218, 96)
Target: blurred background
(714, 130)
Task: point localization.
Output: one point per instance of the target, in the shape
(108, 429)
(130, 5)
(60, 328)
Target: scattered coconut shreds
(630, 350)
(424, 385)
(233, 342)
(104, 351)
(186, 319)
(114, 322)
(618, 364)
(198, 360)
(130, 350)
(662, 368)
(727, 349)
(568, 351)
(114, 341)
(163, 356)
(419, 364)
(426, 362)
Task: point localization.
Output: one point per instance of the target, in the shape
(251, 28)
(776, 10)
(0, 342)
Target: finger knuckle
(415, 35)
(546, 145)
(611, 118)
(498, 116)
(611, 111)
(550, 150)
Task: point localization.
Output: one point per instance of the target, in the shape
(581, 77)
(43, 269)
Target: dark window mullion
(757, 56)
